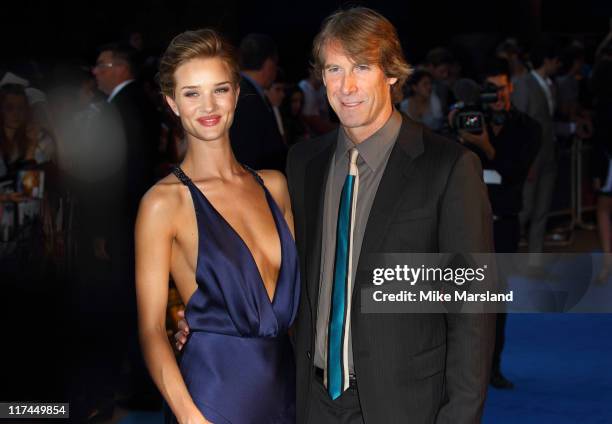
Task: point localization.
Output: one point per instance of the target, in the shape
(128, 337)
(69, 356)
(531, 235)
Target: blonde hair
(206, 43)
(367, 37)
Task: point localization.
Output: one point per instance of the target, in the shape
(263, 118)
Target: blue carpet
(561, 365)
(143, 418)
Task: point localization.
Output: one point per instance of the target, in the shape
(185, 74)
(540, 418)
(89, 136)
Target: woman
(224, 233)
(422, 104)
(291, 110)
(21, 140)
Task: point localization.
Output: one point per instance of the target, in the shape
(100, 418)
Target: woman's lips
(209, 121)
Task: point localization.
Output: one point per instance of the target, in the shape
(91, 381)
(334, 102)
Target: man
(417, 193)
(508, 147)
(115, 71)
(255, 137)
(510, 51)
(534, 95)
(438, 62)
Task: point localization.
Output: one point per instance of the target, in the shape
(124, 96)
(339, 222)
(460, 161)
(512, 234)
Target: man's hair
(366, 37)
(571, 53)
(255, 49)
(508, 46)
(544, 49)
(439, 56)
(125, 53)
(495, 66)
(202, 43)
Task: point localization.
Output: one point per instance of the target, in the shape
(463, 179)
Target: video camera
(472, 105)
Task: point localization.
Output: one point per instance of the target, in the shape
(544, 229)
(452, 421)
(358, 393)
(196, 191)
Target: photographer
(507, 145)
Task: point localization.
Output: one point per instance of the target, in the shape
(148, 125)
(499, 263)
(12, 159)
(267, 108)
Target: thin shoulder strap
(254, 173)
(178, 172)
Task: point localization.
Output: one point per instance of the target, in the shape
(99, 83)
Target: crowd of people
(104, 134)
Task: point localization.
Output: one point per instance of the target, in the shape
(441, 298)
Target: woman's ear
(172, 105)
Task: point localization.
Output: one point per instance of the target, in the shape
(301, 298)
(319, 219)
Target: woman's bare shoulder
(273, 179)
(163, 198)
(276, 183)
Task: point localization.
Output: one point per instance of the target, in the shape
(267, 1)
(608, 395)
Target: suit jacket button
(308, 355)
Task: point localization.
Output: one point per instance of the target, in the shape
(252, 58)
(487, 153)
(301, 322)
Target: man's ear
(172, 105)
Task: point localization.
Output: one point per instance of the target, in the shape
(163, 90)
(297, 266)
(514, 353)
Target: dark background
(50, 32)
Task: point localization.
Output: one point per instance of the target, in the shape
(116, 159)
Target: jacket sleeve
(466, 227)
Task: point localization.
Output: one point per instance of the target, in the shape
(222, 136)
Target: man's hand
(180, 337)
(480, 140)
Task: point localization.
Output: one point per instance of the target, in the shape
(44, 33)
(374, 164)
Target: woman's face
(204, 98)
(423, 87)
(296, 103)
(14, 111)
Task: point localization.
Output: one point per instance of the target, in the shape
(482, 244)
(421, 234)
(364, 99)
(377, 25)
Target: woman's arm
(154, 236)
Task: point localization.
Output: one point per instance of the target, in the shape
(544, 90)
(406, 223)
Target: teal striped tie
(337, 373)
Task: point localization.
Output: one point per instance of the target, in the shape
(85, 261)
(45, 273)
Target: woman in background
(21, 140)
(422, 103)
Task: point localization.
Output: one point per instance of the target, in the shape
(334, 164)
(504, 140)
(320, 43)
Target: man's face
(359, 93)
(109, 73)
(552, 66)
(504, 90)
(276, 93)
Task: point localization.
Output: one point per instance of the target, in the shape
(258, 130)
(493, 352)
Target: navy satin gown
(238, 363)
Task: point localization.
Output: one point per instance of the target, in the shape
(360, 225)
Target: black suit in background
(141, 125)
(255, 138)
(410, 368)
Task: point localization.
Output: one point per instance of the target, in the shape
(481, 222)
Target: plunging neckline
(269, 199)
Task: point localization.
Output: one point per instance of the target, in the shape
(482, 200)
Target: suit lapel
(400, 167)
(315, 182)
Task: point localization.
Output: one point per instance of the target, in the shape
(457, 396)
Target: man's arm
(466, 226)
(520, 95)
